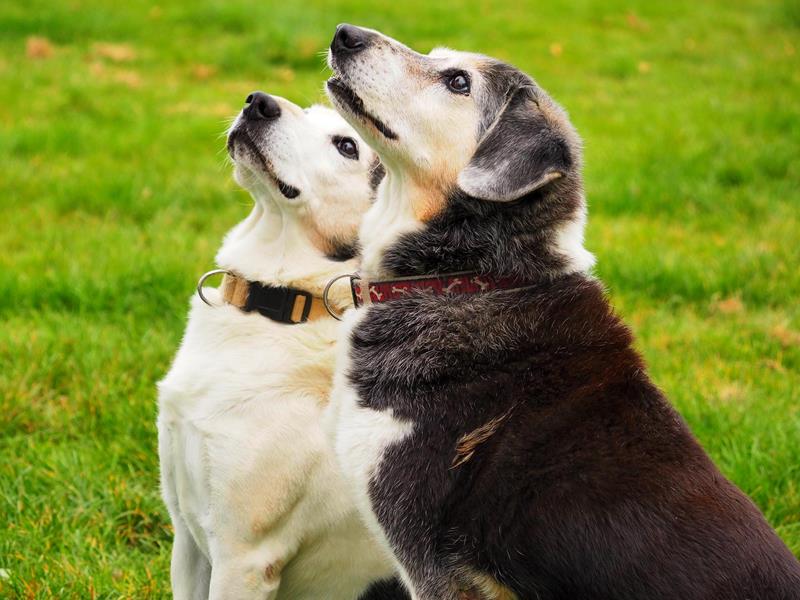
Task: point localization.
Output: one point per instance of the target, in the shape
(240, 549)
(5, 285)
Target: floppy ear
(519, 153)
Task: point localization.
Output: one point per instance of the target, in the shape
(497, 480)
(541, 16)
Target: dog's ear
(519, 153)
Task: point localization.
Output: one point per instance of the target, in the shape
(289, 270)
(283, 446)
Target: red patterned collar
(452, 283)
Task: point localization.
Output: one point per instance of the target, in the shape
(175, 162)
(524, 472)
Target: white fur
(360, 435)
(569, 243)
(383, 224)
(259, 507)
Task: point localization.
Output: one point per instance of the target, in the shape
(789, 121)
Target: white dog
(258, 505)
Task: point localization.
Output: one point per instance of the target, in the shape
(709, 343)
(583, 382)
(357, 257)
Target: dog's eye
(458, 82)
(346, 146)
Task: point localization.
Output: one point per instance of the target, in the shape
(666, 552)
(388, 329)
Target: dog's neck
(390, 217)
(272, 246)
(539, 241)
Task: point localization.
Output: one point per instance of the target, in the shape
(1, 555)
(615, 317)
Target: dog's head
(451, 118)
(488, 163)
(306, 160)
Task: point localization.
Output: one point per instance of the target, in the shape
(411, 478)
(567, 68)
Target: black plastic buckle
(277, 303)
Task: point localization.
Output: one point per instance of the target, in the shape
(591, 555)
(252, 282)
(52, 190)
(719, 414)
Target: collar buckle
(326, 300)
(278, 303)
(202, 282)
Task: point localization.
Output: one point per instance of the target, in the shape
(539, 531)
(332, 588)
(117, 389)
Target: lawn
(115, 192)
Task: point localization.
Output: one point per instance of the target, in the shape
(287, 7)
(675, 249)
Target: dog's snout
(261, 107)
(350, 39)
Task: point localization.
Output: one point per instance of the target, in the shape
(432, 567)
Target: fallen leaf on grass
(114, 52)
(787, 337)
(129, 78)
(38, 47)
(774, 365)
(634, 22)
(203, 72)
(730, 306)
(731, 391)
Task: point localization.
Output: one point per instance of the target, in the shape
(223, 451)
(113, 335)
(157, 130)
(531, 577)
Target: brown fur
(468, 443)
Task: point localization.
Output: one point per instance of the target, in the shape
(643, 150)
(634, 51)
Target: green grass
(114, 195)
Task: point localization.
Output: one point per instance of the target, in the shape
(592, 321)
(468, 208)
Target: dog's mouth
(239, 136)
(346, 96)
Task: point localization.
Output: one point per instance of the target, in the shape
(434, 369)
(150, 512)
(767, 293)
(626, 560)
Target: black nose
(261, 107)
(349, 38)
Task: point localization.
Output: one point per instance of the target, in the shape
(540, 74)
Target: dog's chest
(233, 367)
(237, 388)
(361, 435)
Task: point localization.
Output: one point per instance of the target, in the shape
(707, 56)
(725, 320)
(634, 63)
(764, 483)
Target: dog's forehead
(494, 72)
(327, 120)
(447, 57)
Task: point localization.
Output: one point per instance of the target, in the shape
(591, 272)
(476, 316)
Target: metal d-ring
(327, 289)
(202, 280)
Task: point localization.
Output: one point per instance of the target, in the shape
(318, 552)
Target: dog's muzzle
(345, 95)
(350, 39)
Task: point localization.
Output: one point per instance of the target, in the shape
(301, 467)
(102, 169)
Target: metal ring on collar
(202, 280)
(327, 289)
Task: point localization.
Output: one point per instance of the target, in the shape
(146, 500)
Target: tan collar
(282, 304)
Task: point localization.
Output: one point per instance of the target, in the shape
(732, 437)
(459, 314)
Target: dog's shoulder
(422, 341)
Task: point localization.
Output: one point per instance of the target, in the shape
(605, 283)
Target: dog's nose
(261, 107)
(351, 39)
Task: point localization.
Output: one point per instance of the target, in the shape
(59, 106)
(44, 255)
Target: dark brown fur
(592, 486)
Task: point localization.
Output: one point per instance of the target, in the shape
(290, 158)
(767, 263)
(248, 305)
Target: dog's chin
(253, 169)
(348, 102)
(253, 179)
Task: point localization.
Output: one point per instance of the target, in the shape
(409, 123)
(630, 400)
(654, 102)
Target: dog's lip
(352, 102)
(240, 135)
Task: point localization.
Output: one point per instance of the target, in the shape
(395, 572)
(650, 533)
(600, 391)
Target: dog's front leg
(190, 569)
(252, 573)
(240, 582)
